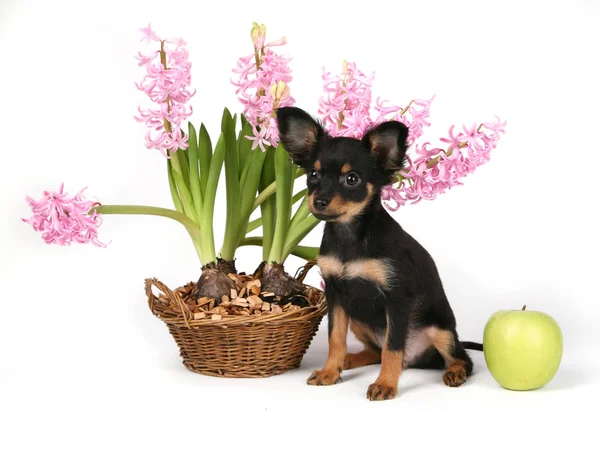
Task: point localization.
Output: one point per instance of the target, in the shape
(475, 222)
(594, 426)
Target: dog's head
(343, 174)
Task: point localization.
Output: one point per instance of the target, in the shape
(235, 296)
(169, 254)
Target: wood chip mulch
(247, 299)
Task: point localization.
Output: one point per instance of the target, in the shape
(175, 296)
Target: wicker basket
(239, 346)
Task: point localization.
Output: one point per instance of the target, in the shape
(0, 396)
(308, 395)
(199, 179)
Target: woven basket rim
(186, 319)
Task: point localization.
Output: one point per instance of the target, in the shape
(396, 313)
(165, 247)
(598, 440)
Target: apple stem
(524, 306)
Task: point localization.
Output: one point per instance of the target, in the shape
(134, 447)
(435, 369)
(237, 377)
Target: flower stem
(149, 211)
(270, 190)
(178, 175)
(340, 120)
(190, 226)
(258, 60)
(406, 109)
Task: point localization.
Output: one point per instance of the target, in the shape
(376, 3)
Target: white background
(84, 364)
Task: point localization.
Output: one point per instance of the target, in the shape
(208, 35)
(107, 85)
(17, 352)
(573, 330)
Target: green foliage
(253, 178)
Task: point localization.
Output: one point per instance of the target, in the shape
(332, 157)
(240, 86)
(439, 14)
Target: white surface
(83, 362)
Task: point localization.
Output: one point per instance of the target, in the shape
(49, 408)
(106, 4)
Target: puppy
(379, 281)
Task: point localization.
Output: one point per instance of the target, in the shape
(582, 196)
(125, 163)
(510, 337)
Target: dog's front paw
(381, 392)
(324, 377)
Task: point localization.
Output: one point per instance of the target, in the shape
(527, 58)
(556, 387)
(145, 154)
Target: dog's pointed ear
(299, 133)
(387, 143)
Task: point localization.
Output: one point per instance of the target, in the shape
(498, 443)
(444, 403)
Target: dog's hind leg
(429, 359)
(459, 364)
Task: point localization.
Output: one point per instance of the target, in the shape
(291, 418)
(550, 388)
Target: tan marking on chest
(377, 270)
(330, 266)
(373, 269)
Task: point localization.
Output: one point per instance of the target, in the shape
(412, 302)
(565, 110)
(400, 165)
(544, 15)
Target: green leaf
(301, 213)
(293, 169)
(213, 176)
(283, 198)
(208, 208)
(194, 177)
(173, 188)
(243, 120)
(236, 154)
(225, 120)
(254, 240)
(268, 206)
(185, 194)
(257, 223)
(300, 251)
(244, 173)
(204, 157)
(249, 188)
(268, 190)
(298, 233)
(253, 225)
(182, 157)
(253, 177)
(299, 195)
(244, 147)
(233, 190)
(306, 253)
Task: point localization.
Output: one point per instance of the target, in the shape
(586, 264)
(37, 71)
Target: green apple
(522, 349)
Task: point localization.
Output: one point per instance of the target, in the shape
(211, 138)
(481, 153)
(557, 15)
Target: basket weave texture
(238, 346)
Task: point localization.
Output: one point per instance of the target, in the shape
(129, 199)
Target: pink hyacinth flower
(345, 104)
(62, 219)
(262, 81)
(167, 85)
(435, 171)
(345, 110)
(148, 35)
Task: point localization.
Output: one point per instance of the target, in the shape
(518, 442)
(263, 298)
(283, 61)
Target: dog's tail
(472, 345)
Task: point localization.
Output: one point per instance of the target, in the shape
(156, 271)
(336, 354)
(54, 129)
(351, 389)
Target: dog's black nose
(321, 204)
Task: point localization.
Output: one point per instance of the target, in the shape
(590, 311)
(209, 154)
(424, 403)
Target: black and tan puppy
(379, 281)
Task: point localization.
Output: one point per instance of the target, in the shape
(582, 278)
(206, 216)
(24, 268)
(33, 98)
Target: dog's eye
(352, 179)
(313, 175)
